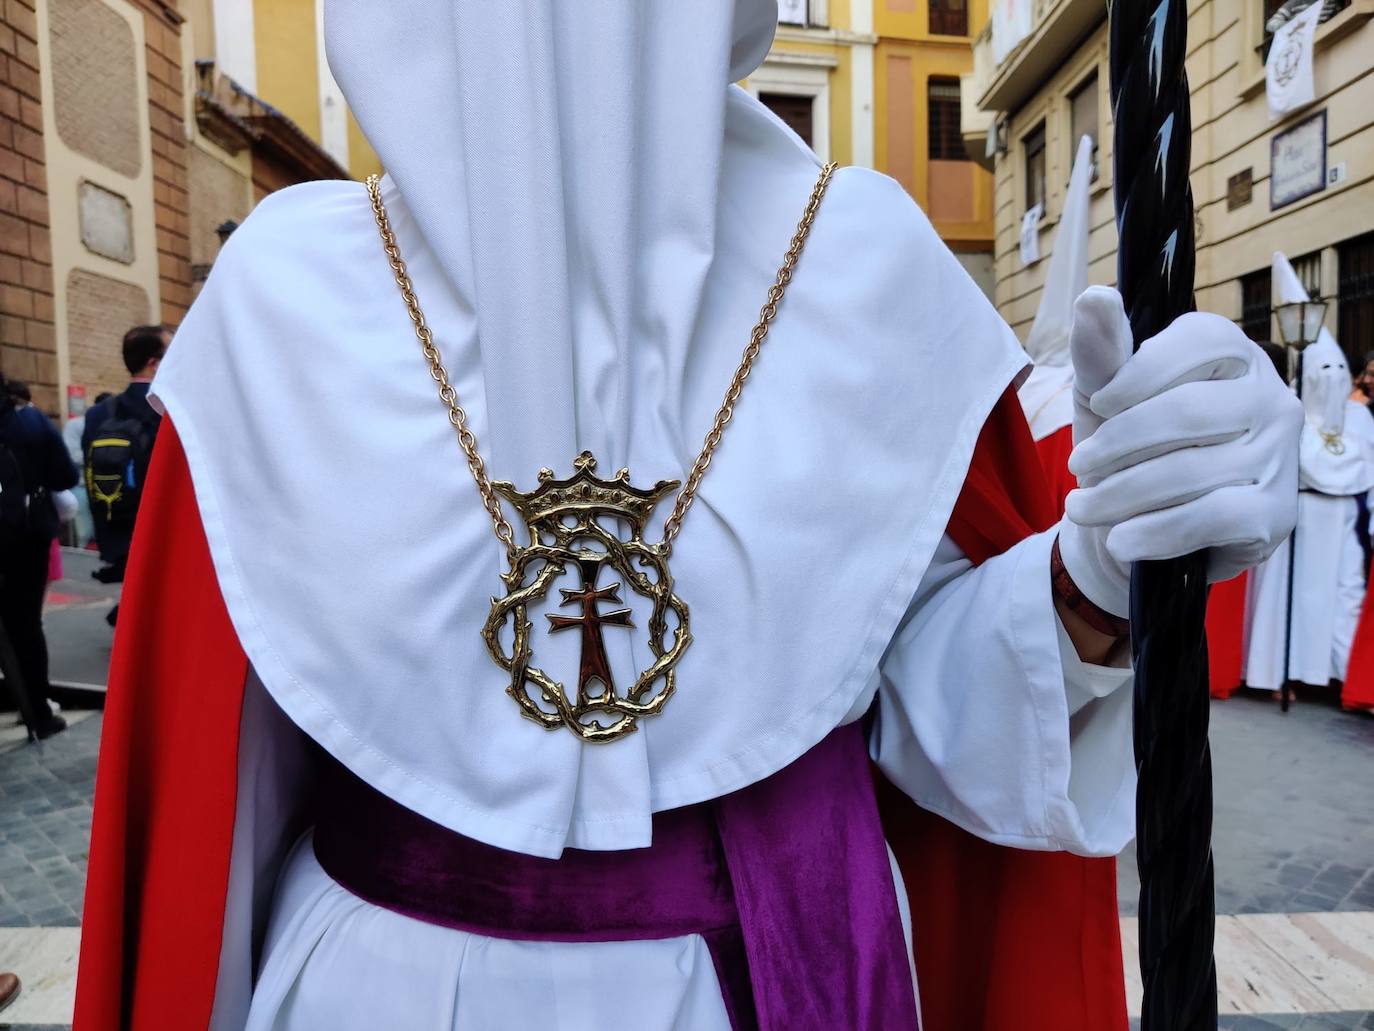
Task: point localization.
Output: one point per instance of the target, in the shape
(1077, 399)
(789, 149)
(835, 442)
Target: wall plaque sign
(1239, 189)
(1297, 162)
(107, 222)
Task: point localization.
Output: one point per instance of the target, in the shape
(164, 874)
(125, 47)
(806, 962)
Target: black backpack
(116, 462)
(14, 497)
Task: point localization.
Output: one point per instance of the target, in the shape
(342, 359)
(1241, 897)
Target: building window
(1083, 118)
(1034, 145)
(1309, 270)
(949, 17)
(1355, 295)
(1255, 305)
(946, 143)
(795, 110)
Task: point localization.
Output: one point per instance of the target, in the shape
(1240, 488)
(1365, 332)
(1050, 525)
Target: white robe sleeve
(987, 716)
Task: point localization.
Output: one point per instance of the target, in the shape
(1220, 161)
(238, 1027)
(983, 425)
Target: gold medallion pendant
(575, 531)
(571, 526)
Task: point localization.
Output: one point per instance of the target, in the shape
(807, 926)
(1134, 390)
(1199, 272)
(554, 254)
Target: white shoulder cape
(357, 564)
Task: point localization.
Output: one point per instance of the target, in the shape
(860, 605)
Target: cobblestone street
(1294, 835)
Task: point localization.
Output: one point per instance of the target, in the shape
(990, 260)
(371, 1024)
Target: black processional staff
(1155, 263)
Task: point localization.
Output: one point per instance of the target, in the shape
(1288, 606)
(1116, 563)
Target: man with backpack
(117, 443)
(33, 466)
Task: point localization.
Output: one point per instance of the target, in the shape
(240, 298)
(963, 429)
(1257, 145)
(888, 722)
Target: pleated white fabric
(1328, 589)
(987, 717)
(334, 961)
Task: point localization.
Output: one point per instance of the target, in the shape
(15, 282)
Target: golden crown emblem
(585, 492)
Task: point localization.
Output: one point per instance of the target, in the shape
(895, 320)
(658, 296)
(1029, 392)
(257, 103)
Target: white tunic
(986, 716)
(1328, 566)
(1328, 589)
(592, 221)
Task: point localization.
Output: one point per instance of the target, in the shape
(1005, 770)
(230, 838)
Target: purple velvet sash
(787, 881)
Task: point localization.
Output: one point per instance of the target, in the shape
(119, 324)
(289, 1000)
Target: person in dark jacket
(143, 349)
(26, 532)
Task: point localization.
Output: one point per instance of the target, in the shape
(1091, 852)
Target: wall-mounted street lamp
(1300, 324)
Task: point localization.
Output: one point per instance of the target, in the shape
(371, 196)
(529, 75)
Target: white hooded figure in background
(1328, 568)
(1047, 394)
(592, 216)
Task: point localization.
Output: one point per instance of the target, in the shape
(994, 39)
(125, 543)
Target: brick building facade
(123, 149)
(27, 348)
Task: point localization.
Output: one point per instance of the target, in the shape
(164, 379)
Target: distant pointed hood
(1047, 395)
(1327, 462)
(1048, 343)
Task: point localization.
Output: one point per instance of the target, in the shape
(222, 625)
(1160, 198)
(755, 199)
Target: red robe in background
(1226, 635)
(1357, 693)
(1003, 938)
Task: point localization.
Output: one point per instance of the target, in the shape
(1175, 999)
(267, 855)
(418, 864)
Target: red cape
(1004, 938)
(1054, 460)
(1358, 690)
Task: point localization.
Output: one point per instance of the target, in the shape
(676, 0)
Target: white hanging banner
(792, 12)
(1030, 235)
(1288, 71)
(1012, 21)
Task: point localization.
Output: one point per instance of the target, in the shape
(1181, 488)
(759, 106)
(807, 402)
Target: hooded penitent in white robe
(1047, 394)
(1328, 567)
(592, 218)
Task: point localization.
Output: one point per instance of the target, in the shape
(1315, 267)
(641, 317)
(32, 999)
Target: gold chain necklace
(564, 516)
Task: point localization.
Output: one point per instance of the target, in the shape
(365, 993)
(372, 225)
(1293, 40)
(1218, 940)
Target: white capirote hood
(1327, 462)
(348, 540)
(1047, 394)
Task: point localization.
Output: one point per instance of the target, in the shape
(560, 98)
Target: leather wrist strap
(1066, 591)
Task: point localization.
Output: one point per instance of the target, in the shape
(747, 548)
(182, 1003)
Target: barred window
(1309, 270)
(1255, 307)
(1083, 119)
(1035, 166)
(946, 144)
(1355, 295)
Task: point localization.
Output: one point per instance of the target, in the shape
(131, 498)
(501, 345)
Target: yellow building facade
(274, 50)
(876, 83)
(1302, 183)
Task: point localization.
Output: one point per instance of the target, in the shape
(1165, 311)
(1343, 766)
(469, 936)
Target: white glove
(65, 503)
(1189, 444)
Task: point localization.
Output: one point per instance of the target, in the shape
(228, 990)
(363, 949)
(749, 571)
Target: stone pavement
(1294, 835)
(75, 621)
(45, 822)
(1294, 824)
